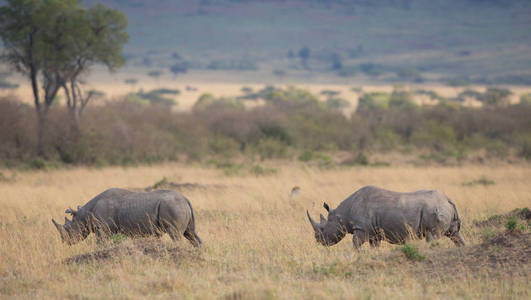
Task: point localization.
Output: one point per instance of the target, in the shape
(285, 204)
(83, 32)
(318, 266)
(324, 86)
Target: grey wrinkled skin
(132, 214)
(374, 214)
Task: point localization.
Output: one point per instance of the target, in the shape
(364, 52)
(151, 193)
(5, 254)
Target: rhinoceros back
(129, 212)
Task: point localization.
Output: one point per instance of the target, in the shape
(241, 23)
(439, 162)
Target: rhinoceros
(132, 214)
(374, 214)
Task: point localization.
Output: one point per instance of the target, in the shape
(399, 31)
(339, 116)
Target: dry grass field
(258, 243)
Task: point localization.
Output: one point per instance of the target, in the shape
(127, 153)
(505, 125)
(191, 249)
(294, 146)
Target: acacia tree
(54, 43)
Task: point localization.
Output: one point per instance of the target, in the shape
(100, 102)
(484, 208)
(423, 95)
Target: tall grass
(258, 242)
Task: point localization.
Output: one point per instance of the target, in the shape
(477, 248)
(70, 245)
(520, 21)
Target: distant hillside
(480, 40)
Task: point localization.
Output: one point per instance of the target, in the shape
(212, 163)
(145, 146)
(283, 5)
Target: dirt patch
(509, 251)
(154, 249)
(498, 220)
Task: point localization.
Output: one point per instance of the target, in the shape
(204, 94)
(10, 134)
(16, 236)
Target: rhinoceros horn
(59, 227)
(314, 225)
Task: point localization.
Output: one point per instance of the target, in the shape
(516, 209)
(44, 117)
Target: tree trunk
(41, 131)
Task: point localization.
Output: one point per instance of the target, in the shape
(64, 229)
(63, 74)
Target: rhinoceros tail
(190, 233)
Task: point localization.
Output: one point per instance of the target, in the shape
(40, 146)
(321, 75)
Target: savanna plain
(258, 243)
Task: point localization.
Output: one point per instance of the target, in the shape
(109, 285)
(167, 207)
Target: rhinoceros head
(73, 230)
(328, 231)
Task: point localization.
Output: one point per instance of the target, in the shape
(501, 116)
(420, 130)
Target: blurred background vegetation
(405, 43)
(291, 123)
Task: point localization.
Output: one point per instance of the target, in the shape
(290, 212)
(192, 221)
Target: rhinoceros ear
(325, 205)
(71, 211)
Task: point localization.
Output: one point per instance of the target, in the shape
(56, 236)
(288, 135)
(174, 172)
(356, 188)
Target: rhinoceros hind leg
(193, 238)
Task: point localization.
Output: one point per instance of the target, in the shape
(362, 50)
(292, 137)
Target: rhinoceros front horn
(314, 225)
(58, 226)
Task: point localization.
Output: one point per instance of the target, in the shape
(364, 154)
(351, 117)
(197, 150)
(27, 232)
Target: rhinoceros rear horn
(322, 219)
(314, 225)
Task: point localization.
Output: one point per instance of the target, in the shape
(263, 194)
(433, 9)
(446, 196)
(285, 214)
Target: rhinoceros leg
(359, 237)
(458, 239)
(374, 242)
(192, 237)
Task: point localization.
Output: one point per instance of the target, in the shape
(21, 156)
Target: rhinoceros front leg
(374, 242)
(359, 237)
(458, 239)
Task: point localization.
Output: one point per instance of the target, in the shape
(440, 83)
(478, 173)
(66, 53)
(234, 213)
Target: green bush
(258, 170)
(411, 252)
(483, 180)
(268, 148)
(511, 223)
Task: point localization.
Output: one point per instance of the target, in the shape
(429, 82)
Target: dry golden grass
(257, 241)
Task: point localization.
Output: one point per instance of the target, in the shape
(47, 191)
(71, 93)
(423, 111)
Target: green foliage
(525, 99)
(373, 101)
(157, 96)
(337, 103)
(496, 96)
(511, 223)
(330, 93)
(483, 180)
(401, 99)
(258, 170)
(117, 238)
(38, 164)
(468, 93)
(220, 145)
(54, 42)
(412, 252)
(160, 183)
(269, 148)
(208, 100)
(434, 135)
(488, 233)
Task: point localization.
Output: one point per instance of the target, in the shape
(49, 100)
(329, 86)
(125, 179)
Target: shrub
(268, 148)
(511, 223)
(117, 238)
(258, 170)
(483, 180)
(496, 96)
(337, 103)
(412, 252)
